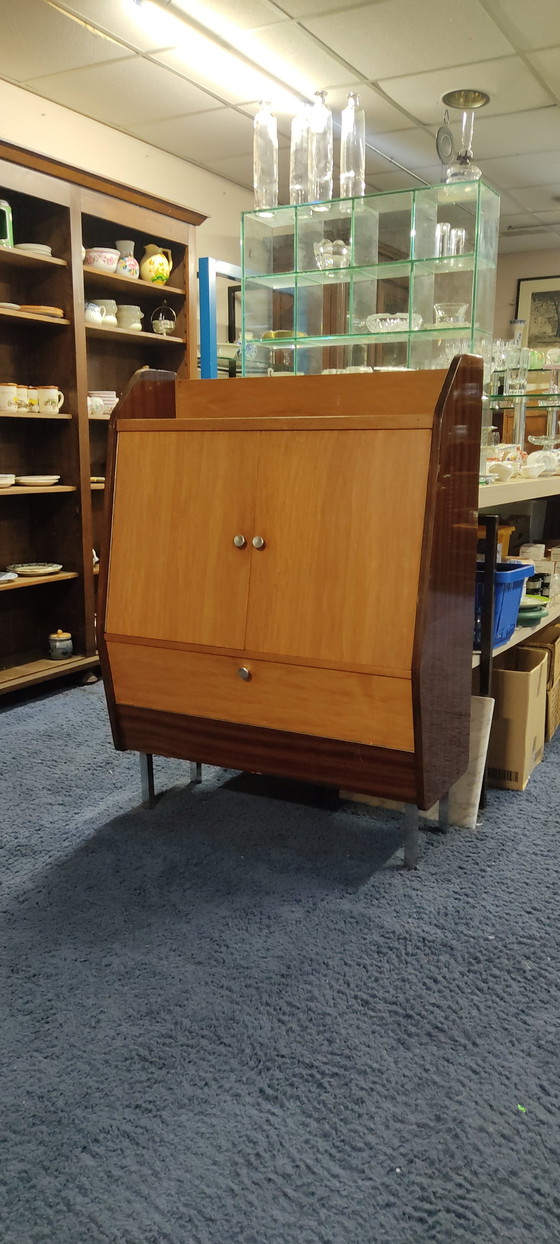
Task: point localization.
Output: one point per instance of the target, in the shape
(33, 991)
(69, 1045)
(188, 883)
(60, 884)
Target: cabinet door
(175, 573)
(341, 514)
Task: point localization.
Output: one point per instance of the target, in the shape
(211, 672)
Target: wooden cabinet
(291, 575)
(66, 209)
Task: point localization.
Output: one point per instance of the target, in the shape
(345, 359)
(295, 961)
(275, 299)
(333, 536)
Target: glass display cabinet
(402, 279)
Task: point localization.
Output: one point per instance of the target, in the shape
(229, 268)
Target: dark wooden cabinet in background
(66, 209)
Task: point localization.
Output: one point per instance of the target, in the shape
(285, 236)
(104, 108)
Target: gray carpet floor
(236, 1020)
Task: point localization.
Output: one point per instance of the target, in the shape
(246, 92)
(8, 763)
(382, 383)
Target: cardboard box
(548, 640)
(552, 710)
(517, 735)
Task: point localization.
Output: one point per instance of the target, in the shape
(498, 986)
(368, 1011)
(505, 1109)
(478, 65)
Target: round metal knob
(239, 542)
(244, 673)
(258, 542)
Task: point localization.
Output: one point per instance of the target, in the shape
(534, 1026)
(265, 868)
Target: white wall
(511, 268)
(35, 123)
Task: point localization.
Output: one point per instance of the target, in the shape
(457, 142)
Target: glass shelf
(390, 240)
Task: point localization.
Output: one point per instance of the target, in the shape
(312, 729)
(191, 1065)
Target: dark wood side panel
(149, 395)
(442, 658)
(350, 766)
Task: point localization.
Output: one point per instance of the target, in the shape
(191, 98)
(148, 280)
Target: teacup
(8, 396)
(50, 399)
(95, 404)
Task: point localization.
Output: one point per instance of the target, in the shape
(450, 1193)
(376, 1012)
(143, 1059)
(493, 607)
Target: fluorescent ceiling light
(208, 58)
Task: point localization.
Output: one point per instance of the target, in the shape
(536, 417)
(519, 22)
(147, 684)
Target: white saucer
(9, 306)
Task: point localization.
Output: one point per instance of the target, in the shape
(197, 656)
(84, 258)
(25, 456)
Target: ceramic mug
(32, 399)
(110, 306)
(95, 404)
(50, 399)
(95, 313)
(8, 396)
(21, 397)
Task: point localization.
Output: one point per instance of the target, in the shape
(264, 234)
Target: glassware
(457, 240)
(331, 254)
(443, 231)
(299, 157)
(451, 314)
(320, 151)
(516, 367)
(265, 157)
(352, 149)
(462, 168)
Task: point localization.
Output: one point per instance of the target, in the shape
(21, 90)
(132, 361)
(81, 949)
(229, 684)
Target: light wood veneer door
(335, 581)
(174, 572)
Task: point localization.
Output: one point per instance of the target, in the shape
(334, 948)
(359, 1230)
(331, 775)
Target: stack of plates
(33, 248)
(108, 397)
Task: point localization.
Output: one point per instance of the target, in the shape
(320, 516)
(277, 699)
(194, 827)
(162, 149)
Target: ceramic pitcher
(156, 264)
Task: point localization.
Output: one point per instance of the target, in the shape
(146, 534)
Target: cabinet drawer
(336, 704)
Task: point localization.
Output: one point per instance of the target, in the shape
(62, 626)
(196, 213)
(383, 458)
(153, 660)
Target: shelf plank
(25, 259)
(28, 315)
(30, 414)
(20, 490)
(522, 633)
(108, 280)
(41, 670)
(99, 418)
(36, 581)
(491, 496)
(149, 338)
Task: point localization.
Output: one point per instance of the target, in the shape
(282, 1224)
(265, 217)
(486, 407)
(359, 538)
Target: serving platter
(35, 569)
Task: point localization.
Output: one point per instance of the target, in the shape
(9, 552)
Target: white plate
(36, 481)
(10, 306)
(35, 569)
(33, 246)
(7, 576)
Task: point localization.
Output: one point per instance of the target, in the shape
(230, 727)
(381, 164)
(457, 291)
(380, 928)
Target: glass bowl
(451, 314)
(383, 322)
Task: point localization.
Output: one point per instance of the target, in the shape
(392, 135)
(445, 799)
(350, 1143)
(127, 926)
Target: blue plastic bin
(509, 580)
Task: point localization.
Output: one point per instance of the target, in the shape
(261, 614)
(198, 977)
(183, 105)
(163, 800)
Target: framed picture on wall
(538, 303)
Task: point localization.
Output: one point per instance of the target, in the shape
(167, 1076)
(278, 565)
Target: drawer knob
(239, 542)
(258, 542)
(244, 673)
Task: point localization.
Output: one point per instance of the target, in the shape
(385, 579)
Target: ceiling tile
(221, 72)
(235, 168)
(398, 37)
(539, 198)
(547, 63)
(381, 116)
(534, 242)
(511, 172)
(202, 138)
(549, 218)
(394, 180)
(294, 56)
(126, 93)
(511, 86)
(223, 16)
(315, 8)
(519, 221)
(413, 148)
(36, 39)
(536, 130)
(534, 25)
(123, 21)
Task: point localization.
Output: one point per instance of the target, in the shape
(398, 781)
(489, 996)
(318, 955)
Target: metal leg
(195, 771)
(411, 846)
(443, 815)
(147, 780)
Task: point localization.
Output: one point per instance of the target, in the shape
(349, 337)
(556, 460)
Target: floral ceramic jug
(156, 264)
